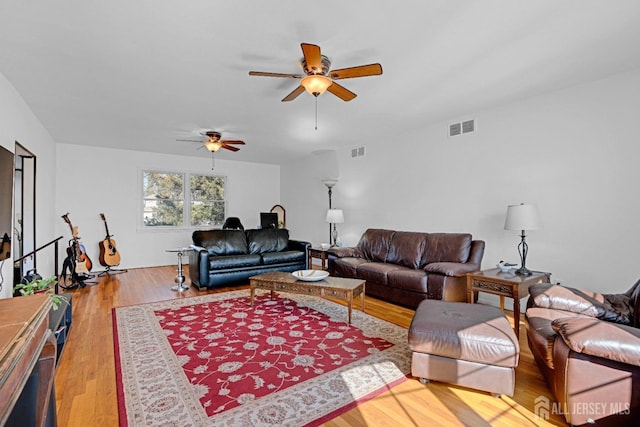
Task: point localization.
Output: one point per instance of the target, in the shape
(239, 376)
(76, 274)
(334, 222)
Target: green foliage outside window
(165, 199)
(207, 200)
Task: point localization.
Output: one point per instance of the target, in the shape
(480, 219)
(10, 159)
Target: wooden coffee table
(334, 287)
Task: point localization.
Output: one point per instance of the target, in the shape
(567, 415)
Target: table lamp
(334, 216)
(523, 217)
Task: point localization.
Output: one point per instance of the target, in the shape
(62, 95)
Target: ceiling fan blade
(189, 140)
(312, 57)
(232, 141)
(293, 95)
(229, 147)
(361, 71)
(341, 92)
(267, 74)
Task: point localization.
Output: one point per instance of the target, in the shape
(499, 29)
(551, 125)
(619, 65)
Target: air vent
(467, 126)
(357, 152)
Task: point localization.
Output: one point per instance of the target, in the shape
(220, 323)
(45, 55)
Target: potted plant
(39, 285)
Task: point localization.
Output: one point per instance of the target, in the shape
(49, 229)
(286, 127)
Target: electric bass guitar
(109, 255)
(76, 250)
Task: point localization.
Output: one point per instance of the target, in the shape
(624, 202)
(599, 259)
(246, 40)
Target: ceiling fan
(318, 77)
(213, 142)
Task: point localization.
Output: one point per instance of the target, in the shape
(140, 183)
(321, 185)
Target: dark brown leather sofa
(587, 346)
(407, 267)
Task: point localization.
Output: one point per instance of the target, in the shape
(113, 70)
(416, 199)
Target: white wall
(574, 153)
(17, 123)
(94, 180)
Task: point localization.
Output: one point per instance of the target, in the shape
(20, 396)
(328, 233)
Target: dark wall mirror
(24, 231)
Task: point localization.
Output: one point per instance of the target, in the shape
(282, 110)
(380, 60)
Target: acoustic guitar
(109, 255)
(76, 250)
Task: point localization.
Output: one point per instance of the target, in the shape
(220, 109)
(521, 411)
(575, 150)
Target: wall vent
(467, 126)
(357, 152)
(455, 129)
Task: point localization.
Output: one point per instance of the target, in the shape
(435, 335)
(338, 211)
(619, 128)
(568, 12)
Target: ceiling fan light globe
(316, 84)
(213, 146)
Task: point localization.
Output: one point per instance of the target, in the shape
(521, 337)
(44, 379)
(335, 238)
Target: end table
(319, 253)
(180, 277)
(509, 284)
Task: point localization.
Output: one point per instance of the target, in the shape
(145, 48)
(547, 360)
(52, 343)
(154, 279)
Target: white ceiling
(137, 74)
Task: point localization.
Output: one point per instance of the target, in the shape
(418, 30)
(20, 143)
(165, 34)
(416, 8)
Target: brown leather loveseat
(407, 267)
(587, 346)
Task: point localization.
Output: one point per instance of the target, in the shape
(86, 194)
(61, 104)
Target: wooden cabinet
(27, 359)
(60, 324)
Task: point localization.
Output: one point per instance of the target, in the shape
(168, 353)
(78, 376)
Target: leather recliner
(587, 346)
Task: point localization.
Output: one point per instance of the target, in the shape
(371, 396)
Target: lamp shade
(329, 182)
(522, 217)
(335, 216)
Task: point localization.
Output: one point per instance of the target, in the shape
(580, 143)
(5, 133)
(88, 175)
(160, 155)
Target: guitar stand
(77, 280)
(108, 270)
(83, 280)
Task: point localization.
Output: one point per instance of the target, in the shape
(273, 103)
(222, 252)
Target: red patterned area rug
(289, 361)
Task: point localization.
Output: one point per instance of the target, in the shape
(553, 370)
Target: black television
(268, 220)
(6, 201)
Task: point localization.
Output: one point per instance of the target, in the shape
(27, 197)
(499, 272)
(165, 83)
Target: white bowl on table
(325, 246)
(310, 275)
(505, 267)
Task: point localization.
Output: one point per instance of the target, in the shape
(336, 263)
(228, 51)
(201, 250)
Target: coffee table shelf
(332, 287)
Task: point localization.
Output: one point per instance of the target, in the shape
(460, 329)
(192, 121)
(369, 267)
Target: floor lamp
(523, 217)
(330, 183)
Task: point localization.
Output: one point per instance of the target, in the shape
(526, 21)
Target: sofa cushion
(267, 240)
(612, 308)
(454, 269)
(221, 242)
(408, 279)
(233, 261)
(634, 303)
(407, 248)
(541, 335)
(594, 337)
(374, 244)
(346, 267)
(376, 271)
(280, 257)
(345, 252)
(447, 247)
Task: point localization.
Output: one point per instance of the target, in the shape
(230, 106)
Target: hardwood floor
(86, 387)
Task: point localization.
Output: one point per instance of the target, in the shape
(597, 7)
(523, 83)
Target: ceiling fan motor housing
(213, 135)
(326, 64)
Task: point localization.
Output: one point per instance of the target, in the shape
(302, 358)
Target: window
(174, 199)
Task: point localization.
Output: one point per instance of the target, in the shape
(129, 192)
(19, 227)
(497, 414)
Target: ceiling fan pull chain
(213, 161)
(316, 113)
